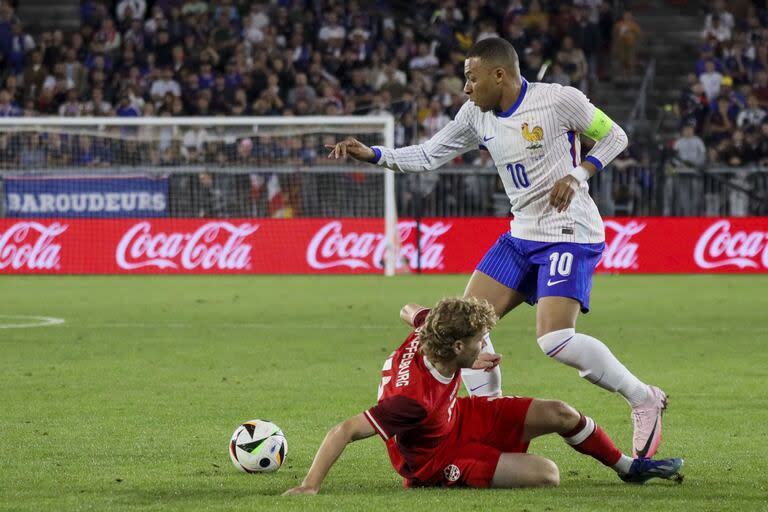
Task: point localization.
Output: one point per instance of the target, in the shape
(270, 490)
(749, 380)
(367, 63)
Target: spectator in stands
(359, 90)
(32, 154)
(97, 105)
(720, 14)
(21, 44)
(682, 190)
(302, 91)
(626, 37)
(394, 80)
(557, 75)
(129, 10)
(135, 36)
(719, 125)
(736, 100)
(735, 64)
(8, 152)
(435, 120)
(74, 70)
(7, 107)
(574, 63)
(156, 22)
(425, 60)
(125, 108)
(53, 48)
(109, 37)
(34, 74)
(735, 151)
(752, 116)
(689, 148)
(693, 106)
(533, 58)
(716, 30)
(711, 80)
(58, 154)
(163, 85)
(71, 106)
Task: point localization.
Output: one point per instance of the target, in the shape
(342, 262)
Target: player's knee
(549, 474)
(553, 342)
(562, 416)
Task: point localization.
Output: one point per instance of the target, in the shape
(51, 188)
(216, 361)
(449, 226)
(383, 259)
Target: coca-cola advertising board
(350, 246)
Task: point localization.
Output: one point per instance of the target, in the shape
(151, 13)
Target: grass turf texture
(130, 404)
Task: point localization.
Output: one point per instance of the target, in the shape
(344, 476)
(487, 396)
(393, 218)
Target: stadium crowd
(187, 57)
(136, 58)
(724, 108)
(167, 58)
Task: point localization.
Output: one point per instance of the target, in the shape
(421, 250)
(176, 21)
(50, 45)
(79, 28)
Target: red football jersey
(414, 411)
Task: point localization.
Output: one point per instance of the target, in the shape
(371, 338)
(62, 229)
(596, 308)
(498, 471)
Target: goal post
(193, 167)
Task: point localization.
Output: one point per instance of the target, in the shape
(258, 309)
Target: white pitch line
(36, 321)
(235, 325)
(393, 325)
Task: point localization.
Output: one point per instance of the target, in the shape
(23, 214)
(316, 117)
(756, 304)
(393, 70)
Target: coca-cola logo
(332, 247)
(718, 247)
(216, 244)
(31, 245)
(620, 253)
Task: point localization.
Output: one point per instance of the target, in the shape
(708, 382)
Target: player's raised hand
(350, 147)
(301, 490)
(486, 361)
(563, 191)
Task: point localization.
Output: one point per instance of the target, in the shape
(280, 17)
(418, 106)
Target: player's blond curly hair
(452, 319)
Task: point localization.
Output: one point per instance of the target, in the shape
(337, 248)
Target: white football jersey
(533, 144)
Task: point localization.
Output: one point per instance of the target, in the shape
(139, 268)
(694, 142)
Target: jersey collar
(436, 374)
(523, 90)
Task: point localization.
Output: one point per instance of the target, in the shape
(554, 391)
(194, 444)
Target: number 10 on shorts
(560, 263)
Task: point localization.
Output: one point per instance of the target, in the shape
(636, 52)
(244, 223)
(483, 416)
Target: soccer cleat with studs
(643, 470)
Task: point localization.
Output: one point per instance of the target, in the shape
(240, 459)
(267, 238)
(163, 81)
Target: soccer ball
(258, 446)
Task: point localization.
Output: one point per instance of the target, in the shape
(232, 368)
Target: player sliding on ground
(435, 438)
(555, 242)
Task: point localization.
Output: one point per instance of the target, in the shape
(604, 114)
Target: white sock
(622, 467)
(480, 382)
(595, 362)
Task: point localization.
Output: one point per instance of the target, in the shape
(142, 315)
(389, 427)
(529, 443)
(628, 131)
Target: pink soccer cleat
(646, 418)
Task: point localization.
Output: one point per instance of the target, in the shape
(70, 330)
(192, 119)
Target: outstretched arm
(456, 138)
(333, 445)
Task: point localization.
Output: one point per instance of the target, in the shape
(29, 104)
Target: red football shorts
(485, 428)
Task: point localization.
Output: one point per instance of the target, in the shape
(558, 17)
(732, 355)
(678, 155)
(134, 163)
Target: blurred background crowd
(167, 58)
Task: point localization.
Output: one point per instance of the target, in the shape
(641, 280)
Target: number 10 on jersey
(519, 178)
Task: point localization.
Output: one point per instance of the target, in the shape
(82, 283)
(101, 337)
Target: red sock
(588, 438)
(418, 318)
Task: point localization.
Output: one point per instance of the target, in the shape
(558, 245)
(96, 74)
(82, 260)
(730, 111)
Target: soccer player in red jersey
(435, 438)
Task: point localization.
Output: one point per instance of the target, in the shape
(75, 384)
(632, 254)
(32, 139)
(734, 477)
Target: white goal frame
(383, 124)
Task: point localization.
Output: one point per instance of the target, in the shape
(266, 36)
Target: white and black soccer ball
(258, 446)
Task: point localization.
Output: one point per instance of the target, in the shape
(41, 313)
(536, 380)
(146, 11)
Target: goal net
(150, 186)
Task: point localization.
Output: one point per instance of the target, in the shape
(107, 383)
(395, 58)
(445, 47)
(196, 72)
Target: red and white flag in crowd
(277, 206)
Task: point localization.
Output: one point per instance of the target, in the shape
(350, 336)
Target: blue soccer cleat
(643, 470)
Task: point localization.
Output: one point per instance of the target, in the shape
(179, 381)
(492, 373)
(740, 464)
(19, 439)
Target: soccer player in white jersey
(557, 236)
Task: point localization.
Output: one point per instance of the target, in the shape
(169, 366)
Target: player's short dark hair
(497, 52)
(453, 319)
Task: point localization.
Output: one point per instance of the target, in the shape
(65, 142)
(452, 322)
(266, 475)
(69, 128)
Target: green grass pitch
(130, 403)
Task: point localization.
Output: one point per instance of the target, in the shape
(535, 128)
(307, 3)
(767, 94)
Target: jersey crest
(534, 136)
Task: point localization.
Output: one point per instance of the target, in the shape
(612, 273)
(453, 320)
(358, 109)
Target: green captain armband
(601, 125)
